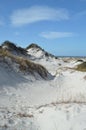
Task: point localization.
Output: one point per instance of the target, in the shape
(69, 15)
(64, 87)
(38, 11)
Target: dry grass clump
(4, 52)
(28, 66)
(24, 64)
(25, 115)
(81, 67)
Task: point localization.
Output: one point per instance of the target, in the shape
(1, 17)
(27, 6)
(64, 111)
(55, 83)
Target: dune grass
(25, 65)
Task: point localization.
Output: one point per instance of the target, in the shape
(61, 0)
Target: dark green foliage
(9, 44)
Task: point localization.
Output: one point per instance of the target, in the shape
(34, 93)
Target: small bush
(81, 67)
(79, 60)
(46, 54)
(33, 45)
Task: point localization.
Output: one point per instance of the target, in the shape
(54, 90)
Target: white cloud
(55, 35)
(38, 13)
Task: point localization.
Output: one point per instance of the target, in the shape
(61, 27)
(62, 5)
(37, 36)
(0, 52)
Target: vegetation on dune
(33, 45)
(7, 45)
(81, 67)
(80, 60)
(10, 46)
(4, 52)
(24, 64)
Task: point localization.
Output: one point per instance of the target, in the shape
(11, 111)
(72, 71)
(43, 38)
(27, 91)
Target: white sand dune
(31, 103)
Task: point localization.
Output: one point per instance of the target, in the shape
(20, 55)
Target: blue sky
(59, 26)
